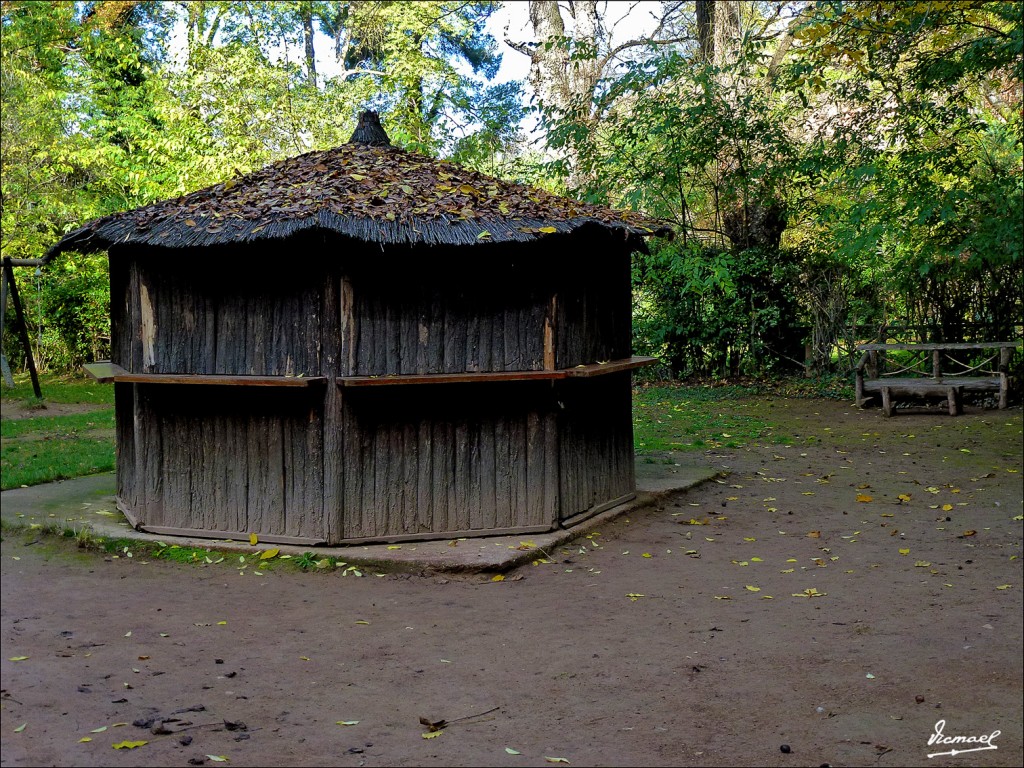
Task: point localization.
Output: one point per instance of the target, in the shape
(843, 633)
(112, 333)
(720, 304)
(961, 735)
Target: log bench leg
(955, 397)
(886, 401)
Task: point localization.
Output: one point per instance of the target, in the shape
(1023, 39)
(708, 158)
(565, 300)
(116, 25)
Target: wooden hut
(364, 344)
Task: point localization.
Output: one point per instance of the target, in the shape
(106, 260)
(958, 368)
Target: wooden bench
(927, 378)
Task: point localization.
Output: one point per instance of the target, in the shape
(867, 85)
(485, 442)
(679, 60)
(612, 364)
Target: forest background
(834, 171)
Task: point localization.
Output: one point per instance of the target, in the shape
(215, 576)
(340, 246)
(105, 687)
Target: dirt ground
(829, 601)
(22, 409)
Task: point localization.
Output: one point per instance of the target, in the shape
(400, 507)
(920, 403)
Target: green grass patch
(42, 448)
(62, 389)
(32, 459)
(682, 418)
(66, 426)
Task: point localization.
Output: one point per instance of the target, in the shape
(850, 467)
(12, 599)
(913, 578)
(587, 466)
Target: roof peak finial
(369, 131)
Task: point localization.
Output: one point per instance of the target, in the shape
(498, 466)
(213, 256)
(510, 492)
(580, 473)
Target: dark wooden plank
(612, 366)
(411, 513)
(221, 379)
(458, 514)
(940, 346)
(504, 510)
(448, 378)
(924, 386)
(426, 492)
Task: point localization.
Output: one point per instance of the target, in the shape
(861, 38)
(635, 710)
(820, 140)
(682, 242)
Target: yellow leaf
(362, 622)
(267, 554)
(549, 231)
(814, 535)
(18, 658)
(646, 554)
(498, 577)
(947, 507)
(790, 559)
(904, 551)
(432, 734)
(395, 546)
(634, 596)
(21, 728)
(253, 539)
(864, 497)
(101, 729)
(221, 623)
(752, 589)
(356, 176)
(304, 658)
(511, 751)
(749, 538)
(556, 759)
(84, 739)
(722, 597)
(756, 560)
(218, 758)
(1004, 586)
(483, 235)
(921, 564)
(904, 497)
(788, 570)
(968, 533)
(129, 744)
(348, 722)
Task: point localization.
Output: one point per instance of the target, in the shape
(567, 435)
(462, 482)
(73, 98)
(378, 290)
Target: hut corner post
(9, 284)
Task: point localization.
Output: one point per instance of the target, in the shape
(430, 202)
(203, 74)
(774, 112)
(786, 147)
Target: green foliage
(711, 311)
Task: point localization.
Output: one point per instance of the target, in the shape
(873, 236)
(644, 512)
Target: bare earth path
(653, 643)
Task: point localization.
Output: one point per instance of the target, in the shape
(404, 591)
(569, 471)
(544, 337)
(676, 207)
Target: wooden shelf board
(612, 366)
(448, 378)
(219, 379)
(582, 371)
(104, 371)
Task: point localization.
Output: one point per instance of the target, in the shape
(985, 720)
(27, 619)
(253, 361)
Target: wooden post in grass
(22, 328)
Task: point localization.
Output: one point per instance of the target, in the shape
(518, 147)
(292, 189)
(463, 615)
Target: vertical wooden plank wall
(338, 464)
(440, 458)
(596, 442)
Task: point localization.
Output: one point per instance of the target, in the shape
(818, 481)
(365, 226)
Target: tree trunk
(306, 11)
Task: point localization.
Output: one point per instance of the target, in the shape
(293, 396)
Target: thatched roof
(365, 189)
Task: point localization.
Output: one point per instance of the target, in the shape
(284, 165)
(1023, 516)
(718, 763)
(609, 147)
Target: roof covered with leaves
(366, 191)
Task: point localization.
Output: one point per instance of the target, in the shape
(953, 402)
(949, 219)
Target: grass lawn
(41, 449)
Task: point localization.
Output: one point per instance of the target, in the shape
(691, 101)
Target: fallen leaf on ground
(129, 744)
(498, 577)
(21, 728)
(752, 589)
(253, 539)
(814, 535)
(348, 722)
(431, 734)
(864, 497)
(556, 759)
(266, 555)
(18, 658)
